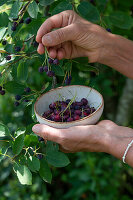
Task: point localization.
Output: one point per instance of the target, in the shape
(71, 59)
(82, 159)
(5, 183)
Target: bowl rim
(102, 104)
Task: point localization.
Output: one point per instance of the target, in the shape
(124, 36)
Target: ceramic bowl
(78, 92)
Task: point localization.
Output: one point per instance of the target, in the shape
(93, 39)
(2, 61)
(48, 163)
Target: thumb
(47, 132)
(59, 36)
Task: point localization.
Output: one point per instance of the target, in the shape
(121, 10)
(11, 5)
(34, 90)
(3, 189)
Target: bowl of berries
(69, 106)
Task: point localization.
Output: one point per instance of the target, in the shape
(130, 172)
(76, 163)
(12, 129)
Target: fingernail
(47, 40)
(36, 128)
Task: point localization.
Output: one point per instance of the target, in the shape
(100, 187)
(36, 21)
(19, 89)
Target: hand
(106, 136)
(76, 37)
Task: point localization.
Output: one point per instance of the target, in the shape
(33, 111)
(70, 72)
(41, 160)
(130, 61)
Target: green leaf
(2, 32)
(30, 140)
(33, 164)
(62, 6)
(82, 60)
(3, 19)
(33, 9)
(2, 2)
(23, 173)
(4, 131)
(51, 146)
(58, 70)
(3, 151)
(14, 87)
(121, 20)
(45, 2)
(22, 71)
(45, 171)
(18, 144)
(19, 131)
(14, 10)
(89, 12)
(9, 48)
(57, 159)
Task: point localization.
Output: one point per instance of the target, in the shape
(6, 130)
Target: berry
(56, 62)
(2, 92)
(84, 101)
(50, 73)
(41, 69)
(27, 90)
(8, 57)
(85, 114)
(109, 30)
(17, 97)
(50, 61)
(13, 28)
(78, 112)
(52, 106)
(57, 118)
(40, 156)
(26, 100)
(0, 88)
(16, 103)
(4, 42)
(77, 107)
(70, 119)
(21, 21)
(28, 20)
(40, 139)
(68, 80)
(15, 24)
(35, 44)
(17, 49)
(76, 117)
(15, 19)
(45, 68)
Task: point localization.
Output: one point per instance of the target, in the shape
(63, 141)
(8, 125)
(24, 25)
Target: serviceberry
(56, 62)
(0, 88)
(109, 30)
(15, 24)
(4, 42)
(40, 139)
(45, 68)
(84, 101)
(26, 100)
(50, 73)
(70, 119)
(50, 61)
(16, 103)
(41, 69)
(28, 20)
(21, 21)
(2, 92)
(40, 156)
(13, 28)
(35, 44)
(8, 57)
(17, 97)
(15, 19)
(17, 49)
(27, 90)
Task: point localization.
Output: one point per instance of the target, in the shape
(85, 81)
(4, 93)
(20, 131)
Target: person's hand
(75, 37)
(106, 137)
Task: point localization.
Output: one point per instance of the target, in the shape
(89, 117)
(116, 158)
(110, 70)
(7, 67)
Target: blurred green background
(90, 176)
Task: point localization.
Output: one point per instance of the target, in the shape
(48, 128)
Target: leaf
(62, 6)
(121, 20)
(33, 9)
(9, 48)
(22, 71)
(30, 140)
(3, 19)
(51, 146)
(33, 164)
(18, 144)
(45, 171)
(23, 173)
(14, 87)
(88, 11)
(19, 131)
(2, 2)
(3, 151)
(45, 2)
(14, 10)
(58, 70)
(82, 60)
(4, 131)
(57, 159)
(2, 32)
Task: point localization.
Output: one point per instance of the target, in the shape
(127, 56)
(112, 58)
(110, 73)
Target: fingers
(59, 36)
(51, 23)
(48, 133)
(41, 49)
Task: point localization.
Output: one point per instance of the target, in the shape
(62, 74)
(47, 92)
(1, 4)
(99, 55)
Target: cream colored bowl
(78, 92)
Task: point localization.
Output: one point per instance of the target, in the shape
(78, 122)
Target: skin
(74, 37)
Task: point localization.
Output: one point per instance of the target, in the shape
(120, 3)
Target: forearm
(118, 54)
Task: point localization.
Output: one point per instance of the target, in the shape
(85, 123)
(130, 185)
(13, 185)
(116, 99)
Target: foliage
(89, 176)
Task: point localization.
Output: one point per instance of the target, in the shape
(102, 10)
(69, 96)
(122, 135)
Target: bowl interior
(75, 92)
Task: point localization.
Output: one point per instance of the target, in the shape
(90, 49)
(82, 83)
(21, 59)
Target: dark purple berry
(26, 100)
(40, 156)
(16, 103)
(2, 92)
(109, 30)
(40, 139)
(27, 90)
(35, 44)
(45, 68)
(41, 69)
(21, 21)
(85, 114)
(56, 62)
(78, 112)
(84, 101)
(17, 97)
(13, 28)
(50, 61)
(0, 88)
(4, 42)
(57, 118)
(8, 57)
(70, 119)
(70, 78)
(76, 117)
(76, 107)
(15, 23)
(50, 73)
(15, 19)
(28, 20)
(68, 101)
(17, 49)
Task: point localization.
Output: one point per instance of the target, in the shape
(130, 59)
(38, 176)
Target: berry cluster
(2, 91)
(18, 97)
(17, 22)
(68, 80)
(68, 111)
